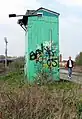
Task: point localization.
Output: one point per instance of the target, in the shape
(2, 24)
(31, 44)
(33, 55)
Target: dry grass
(36, 102)
(54, 101)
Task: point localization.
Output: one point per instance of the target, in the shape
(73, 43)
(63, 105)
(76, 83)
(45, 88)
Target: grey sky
(70, 24)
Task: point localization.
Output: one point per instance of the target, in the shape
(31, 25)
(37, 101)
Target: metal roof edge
(41, 8)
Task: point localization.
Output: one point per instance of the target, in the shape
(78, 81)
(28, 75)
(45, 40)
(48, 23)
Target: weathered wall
(39, 54)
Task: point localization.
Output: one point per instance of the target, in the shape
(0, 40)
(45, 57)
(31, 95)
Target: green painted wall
(41, 32)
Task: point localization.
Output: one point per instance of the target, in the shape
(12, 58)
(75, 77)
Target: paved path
(76, 77)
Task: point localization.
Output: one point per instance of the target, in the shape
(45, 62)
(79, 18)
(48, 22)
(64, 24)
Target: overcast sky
(70, 24)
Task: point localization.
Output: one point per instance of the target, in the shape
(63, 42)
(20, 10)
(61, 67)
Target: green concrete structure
(42, 43)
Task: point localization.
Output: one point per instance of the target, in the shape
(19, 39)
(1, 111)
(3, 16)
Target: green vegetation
(79, 59)
(19, 100)
(17, 64)
(48, 100)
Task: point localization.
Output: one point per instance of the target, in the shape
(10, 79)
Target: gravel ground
(75, 78)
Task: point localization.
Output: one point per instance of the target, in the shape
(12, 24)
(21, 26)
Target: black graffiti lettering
(53, 54)
(42, 48)
(55, 59)
(38, 52)
(52, 62)
(32, 56)
(49, 62)
(48, 51)
(35, 55)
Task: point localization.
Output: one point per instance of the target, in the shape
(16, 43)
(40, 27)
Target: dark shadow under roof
(23, 22)
(30, 12)
(41, 8)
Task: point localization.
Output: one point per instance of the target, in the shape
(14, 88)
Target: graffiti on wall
(45, 55)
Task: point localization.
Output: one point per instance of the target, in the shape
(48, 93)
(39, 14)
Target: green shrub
(79, 59)
(17, 64)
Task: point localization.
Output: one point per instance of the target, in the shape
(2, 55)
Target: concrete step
(75, 78)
